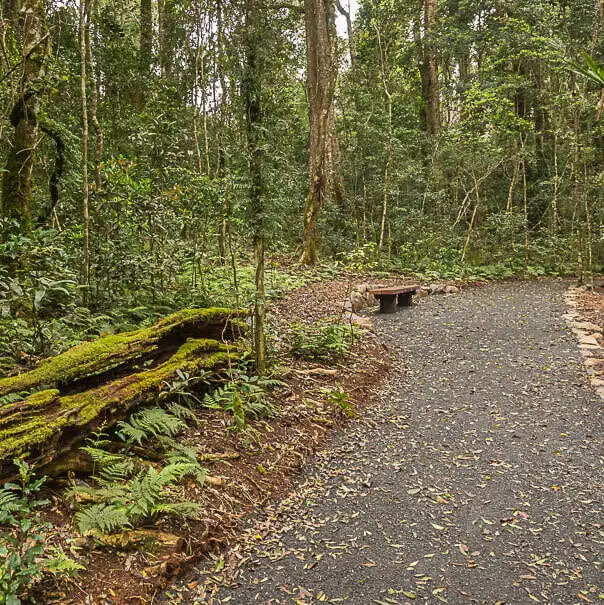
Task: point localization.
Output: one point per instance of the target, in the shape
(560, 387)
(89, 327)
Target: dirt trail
(479, 480)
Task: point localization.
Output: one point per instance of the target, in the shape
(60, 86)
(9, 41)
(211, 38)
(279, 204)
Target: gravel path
(479, 480)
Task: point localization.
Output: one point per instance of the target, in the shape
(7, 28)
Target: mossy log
(126, 349)
(50, 424)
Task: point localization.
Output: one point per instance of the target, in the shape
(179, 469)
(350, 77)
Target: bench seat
(392, 298)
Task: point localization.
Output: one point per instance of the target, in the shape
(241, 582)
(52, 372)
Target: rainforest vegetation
(158, 157)
(148, 148)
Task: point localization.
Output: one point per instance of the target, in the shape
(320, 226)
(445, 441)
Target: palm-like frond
(592, 70)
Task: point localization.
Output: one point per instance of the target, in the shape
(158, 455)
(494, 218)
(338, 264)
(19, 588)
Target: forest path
(479, 480)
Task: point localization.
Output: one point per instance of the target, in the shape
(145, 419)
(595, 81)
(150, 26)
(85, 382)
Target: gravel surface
(480, 478)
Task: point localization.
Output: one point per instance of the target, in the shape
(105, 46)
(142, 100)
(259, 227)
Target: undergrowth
(125, 490)
(244, 396)
(328, 340)
(25, 551)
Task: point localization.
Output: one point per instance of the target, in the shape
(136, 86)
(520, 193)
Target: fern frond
(104, 518)
(150, 423)
(9, 504)
(183, 412)
(120, 471)
(100, 456)
(190, 510)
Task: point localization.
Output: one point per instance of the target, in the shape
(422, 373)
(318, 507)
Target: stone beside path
(589, 336)
(480, 479)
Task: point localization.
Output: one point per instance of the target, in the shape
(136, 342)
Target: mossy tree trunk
(253, 105)
(99, 383)
(29, 25)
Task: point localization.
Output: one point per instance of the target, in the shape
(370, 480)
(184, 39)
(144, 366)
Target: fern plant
(326, 341)
(244, 396)
(125, 497)
(149, 423)
(25, 553)
(124, 491)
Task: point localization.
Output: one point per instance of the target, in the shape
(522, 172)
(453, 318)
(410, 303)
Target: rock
(586, 353)
(597, 382)
(361, 289)
(586, 325)
(422, 293)
(570, 317)
(358, 302)
(451, 290)
(371, 300)
(590, 341)
(363, 322)
(437, 289)
(347, 306)
(601, 392)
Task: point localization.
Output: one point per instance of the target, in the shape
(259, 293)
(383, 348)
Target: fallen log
(46, 426)
(124, 350)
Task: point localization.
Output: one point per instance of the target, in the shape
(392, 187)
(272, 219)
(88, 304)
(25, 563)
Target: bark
(389, 146)
(253, 104)
(94, 104)
(84, 34)
(99, 383)
(432, 99)
(29, 23)
(166, 36)
(321, 42)
(145, 55)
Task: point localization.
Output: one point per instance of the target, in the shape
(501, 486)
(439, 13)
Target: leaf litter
(479, 478)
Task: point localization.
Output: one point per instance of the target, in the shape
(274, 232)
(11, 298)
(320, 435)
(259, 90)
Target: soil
(478, 478)
(245, 473)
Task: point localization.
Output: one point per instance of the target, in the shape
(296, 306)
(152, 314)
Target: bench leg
(388, 304)
(405, 300)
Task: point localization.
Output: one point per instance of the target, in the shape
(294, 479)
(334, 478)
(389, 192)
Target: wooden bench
(393, 298)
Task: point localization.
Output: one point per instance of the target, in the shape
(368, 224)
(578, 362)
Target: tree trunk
(349, 31)
(166, 36)
(145, 53)
(431, 64)
(99, 383)
(321, 50)
(29, 23)
(84, 34)
(253, 106)
(389, 146)
(94, 102)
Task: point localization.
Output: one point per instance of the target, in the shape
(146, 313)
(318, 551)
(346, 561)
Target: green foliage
(592, 70)
(128, 493)
(149, 423)
(25, 553)
(340, 399)
(327, 340)
(244, 396)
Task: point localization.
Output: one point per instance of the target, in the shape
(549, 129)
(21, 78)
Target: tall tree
(430, 69)
(253, 108)
(84, 36)
(322, 70)
(29, 24)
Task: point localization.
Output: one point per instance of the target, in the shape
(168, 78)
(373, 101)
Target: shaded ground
(480, 480)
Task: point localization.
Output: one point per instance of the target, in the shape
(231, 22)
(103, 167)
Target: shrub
(326, 341)
(25, 555)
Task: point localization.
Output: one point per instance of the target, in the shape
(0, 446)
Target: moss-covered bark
(98, 383)
(46, 425)
(122, 350)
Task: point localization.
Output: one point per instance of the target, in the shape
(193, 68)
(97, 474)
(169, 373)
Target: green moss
(44, 415)
(101, 355)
